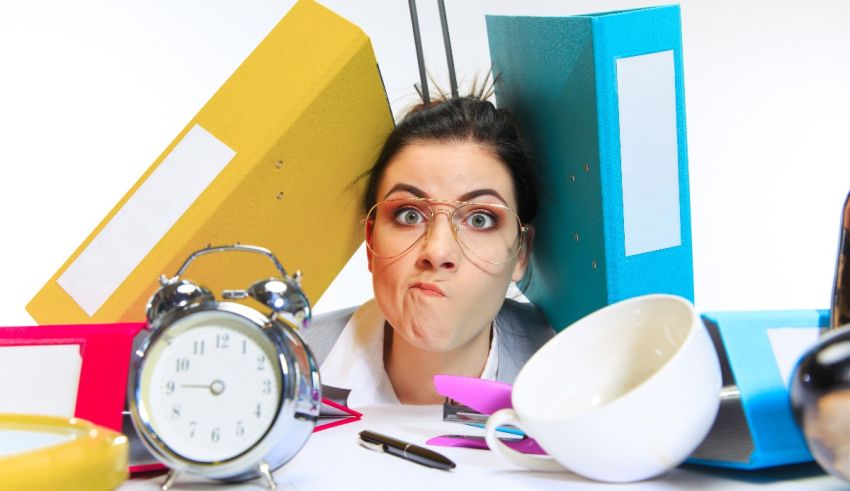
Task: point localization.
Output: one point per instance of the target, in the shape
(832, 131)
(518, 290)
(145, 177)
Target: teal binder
(600, 98)
(755, 426)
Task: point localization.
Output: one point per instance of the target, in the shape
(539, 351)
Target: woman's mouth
(428, 289)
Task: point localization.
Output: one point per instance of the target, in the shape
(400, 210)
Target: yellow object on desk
(47, 453)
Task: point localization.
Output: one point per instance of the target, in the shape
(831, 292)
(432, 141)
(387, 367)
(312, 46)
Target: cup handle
(533, 462)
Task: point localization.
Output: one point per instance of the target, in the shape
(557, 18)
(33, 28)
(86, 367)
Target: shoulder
(522, 331)
(324, 330)
(522, 320)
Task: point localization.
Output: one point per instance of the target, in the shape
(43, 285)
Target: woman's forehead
(447, 170)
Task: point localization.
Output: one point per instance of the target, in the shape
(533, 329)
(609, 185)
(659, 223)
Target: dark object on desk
(407, 451)
(820, 398)
(820, 384)
(840, 312)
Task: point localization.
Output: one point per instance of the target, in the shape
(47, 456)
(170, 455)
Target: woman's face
(434, 295)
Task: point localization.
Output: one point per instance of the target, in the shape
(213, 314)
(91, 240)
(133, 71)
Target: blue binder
(755, 427)
(600, 98)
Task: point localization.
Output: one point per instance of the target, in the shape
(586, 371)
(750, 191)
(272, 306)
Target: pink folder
(105, 352)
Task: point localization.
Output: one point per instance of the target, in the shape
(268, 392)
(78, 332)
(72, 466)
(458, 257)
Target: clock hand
(216, 387)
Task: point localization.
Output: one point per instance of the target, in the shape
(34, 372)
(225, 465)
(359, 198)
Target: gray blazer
(521, 328)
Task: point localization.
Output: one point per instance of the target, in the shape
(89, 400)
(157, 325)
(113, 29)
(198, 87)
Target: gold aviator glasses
(489, 232)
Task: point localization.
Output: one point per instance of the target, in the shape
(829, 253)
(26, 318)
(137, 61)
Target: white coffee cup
(621, 395)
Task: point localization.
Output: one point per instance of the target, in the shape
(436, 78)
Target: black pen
(407, 451)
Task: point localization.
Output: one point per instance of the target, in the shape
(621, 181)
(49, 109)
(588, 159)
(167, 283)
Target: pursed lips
(428, 288)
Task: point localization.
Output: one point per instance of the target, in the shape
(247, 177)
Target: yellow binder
(269, 160)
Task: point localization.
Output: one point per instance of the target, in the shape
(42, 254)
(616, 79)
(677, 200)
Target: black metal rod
(417, 40)
(448, 42)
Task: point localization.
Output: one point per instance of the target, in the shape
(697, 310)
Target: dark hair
(463, 119)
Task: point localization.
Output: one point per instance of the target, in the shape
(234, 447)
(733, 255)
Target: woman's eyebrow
(409, 188)
(482, 192)
(468, 196)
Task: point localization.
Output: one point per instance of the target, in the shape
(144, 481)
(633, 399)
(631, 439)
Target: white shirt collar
(356, 361)
(491, 366)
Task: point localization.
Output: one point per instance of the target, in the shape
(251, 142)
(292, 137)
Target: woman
(447, 204)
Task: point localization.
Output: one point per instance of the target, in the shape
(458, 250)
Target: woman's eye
(481, 221)
(409, 216)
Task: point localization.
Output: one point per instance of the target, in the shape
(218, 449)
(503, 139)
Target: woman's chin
(429, 337)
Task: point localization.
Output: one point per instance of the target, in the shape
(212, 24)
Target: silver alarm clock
(219, 389)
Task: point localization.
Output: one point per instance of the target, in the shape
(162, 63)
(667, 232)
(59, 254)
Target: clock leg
(267, 474)
(169, 480)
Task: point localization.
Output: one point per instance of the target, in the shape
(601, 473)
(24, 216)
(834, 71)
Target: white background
(91, 92)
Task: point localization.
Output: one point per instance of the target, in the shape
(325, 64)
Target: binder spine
(615, 214)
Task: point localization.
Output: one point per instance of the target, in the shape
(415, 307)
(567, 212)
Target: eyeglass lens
(490, 232)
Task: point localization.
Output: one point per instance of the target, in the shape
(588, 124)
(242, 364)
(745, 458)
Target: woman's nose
(440, 249)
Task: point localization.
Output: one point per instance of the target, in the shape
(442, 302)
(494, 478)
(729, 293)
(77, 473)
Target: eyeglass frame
(523, 229)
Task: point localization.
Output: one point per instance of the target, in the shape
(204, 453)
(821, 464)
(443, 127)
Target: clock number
(182, 364)
(257, 411)
(244, 346)
(267, 386)
(193, 425)
(169, 387)
(221, 341)
(215, 435)
(261, 363)
(175, 411)
(240, 428)
(198, 347)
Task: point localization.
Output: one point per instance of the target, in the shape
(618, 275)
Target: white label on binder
(145, 218)
(788, 345)
(649, 156)
(40, 379)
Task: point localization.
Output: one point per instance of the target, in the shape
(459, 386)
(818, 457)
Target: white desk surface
(332, 460)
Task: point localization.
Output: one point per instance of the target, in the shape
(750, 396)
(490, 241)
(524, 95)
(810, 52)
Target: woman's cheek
(386, 289)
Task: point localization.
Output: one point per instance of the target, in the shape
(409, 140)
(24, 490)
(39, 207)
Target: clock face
(211, 386)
